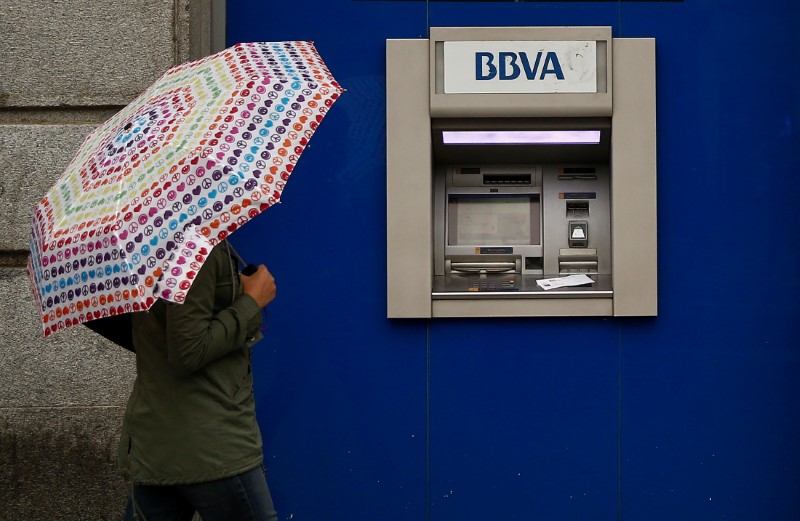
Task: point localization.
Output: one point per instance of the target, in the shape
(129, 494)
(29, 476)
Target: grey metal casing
(413, 102)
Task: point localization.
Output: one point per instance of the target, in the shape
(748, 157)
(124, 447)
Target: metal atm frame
(621, 100)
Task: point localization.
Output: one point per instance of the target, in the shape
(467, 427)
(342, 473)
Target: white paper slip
(560, 282)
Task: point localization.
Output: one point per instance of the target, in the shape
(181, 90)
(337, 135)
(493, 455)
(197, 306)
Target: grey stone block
(66, 66)
(78, 53)
(33, 157)
(60, 464)
(75, 367)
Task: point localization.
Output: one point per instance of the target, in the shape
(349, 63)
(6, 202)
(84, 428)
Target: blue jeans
(244, 497)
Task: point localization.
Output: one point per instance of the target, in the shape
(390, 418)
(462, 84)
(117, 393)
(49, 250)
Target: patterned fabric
(206, 148)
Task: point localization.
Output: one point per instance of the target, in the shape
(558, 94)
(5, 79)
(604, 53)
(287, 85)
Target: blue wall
(690, 415)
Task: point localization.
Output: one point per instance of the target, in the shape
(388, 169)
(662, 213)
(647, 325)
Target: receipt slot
(521, 173)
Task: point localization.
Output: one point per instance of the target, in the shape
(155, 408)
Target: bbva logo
(509, 65)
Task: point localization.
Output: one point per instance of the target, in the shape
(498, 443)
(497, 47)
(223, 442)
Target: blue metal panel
(524, 419)
(690, 415)
(709, 395)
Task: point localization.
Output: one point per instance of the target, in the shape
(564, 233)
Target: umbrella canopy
(203, 150)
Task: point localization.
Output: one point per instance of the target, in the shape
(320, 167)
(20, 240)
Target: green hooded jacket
(191, 415)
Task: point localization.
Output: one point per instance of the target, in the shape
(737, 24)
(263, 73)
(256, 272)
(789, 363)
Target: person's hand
(260, 285)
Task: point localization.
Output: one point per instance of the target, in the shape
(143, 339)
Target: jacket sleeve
(196, 334)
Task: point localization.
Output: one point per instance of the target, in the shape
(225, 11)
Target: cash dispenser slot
(492, 265)
(577, 260)
(487, 274)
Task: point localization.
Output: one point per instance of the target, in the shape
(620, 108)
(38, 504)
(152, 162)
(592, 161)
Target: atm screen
(498, 220)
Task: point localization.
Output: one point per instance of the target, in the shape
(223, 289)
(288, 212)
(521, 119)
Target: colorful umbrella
(203, 150)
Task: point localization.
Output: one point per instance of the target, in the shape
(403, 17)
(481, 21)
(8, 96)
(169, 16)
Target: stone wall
(65, 67)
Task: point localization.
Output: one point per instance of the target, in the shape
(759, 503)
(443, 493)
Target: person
(190, 440)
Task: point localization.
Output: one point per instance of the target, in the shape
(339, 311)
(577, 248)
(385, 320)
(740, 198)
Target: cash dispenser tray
(453, 286)
(503, 277)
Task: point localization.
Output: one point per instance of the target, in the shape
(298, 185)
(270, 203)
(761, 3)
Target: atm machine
(521, 173)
